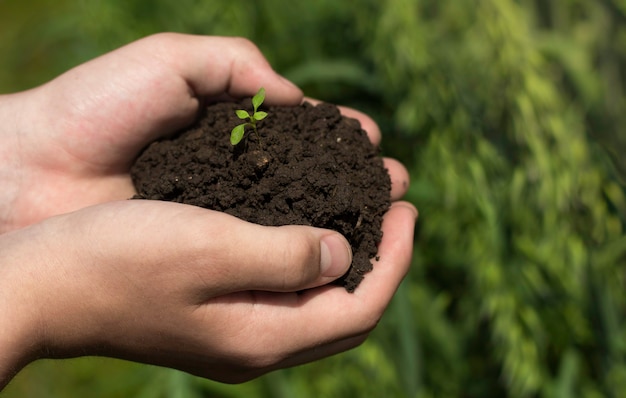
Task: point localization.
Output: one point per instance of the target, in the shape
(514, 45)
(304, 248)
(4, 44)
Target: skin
(85, 272)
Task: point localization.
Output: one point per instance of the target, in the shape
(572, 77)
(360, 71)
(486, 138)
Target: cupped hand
(188, 288)
(70, 143)
(157, 282)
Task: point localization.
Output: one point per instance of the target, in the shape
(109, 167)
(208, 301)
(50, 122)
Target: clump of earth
(308, 165)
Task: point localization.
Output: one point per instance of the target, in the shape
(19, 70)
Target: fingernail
(336, 255)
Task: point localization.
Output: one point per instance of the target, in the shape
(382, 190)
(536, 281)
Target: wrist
(19, 344)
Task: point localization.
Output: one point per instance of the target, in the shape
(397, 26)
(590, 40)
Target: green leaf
(241, 114)
(260, 115)
(237, 134)
(258, 99)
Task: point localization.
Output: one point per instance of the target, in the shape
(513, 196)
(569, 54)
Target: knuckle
(244, 43)
(162, 38)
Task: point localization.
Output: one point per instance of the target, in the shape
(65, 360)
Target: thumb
(166, 76)
(223, 67)
(287, 258)
(209, 253)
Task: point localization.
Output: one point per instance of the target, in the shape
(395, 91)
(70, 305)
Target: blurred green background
(509, 114)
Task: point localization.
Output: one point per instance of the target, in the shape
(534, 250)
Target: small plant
(252, 118)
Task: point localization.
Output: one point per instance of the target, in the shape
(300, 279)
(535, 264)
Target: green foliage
(252, 118)
(509, 115)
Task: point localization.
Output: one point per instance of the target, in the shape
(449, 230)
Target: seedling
(252, 118)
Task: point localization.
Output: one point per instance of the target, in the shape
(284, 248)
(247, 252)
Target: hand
(188, 288)
(157, 282)
(70, 143)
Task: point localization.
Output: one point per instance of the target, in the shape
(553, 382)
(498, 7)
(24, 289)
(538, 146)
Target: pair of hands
(85, 272)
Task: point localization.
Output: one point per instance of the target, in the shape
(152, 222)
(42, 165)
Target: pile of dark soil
(308, 166)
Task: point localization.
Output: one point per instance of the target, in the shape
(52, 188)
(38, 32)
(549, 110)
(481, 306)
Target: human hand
(70, 143)
(96, 296)
(188, 288)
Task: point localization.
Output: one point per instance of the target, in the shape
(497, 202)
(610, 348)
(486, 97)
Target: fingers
(352, 316)
(369, 300)
(342, 320)
(395, 253)
(399, 178)
(226, 66)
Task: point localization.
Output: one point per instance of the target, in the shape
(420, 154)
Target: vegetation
(252, 118)
(510, 117)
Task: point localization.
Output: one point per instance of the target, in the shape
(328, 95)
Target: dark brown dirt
(311, 167)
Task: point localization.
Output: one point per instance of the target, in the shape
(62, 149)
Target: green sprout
(252, 118)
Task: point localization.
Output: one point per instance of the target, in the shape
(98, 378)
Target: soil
(309, 165)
